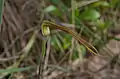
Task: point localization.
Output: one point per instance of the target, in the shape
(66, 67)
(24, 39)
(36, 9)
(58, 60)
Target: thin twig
(47, 54)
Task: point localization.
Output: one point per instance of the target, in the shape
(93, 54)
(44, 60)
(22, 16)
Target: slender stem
(40, 74)
(43, 47)
(73, 11)
(73, 22)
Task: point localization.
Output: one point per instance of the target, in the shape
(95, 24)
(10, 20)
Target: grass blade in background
(26, 51)
(1, 8)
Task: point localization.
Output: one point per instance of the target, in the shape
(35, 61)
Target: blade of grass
(59, 44)
(1, 10)
(16, 69)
